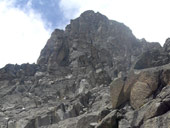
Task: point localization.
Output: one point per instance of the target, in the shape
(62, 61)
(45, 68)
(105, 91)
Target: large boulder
(137, 88)
(116, 92)
(139, 94)
(120, 88)
(144, 88)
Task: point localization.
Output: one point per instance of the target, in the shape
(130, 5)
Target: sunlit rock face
(75, 74)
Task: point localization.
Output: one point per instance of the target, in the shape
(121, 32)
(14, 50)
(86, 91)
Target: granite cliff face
(94, 74)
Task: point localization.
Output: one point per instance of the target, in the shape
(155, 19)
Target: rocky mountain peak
(90, 24)
(92, 40)
(93, 74)
(87, 20)
(91, 15)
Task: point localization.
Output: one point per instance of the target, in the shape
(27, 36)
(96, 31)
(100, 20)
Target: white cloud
(22, 34)
(147, 18)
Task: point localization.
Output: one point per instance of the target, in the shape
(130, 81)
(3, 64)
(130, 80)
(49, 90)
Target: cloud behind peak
(23, 34)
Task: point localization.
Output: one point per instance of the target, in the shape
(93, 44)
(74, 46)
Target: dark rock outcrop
(11, 71)
(152, 58)
(167, 46)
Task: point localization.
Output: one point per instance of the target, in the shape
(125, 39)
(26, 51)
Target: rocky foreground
(94, 74)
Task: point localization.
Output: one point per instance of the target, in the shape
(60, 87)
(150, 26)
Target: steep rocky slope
(95, 73)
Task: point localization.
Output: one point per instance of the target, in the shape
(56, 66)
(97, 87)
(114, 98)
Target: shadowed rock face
(69, 85)
(167, 46)
(152, 58)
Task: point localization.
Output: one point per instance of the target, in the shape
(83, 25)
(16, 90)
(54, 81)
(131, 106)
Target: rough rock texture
(151, 111)
(117, 95)
(144, 88)
(109, 121)
(167, 46)
(75, 74)
(136, 87)
(152, 58)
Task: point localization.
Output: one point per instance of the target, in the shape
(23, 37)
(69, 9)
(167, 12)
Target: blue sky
(26, 25)
(49, 10)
